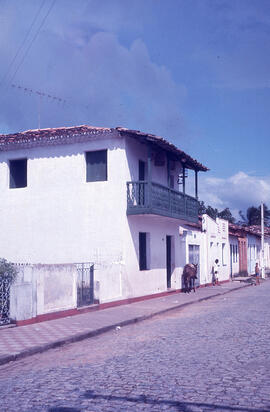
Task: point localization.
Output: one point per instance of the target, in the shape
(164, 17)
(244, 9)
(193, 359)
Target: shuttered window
(17, 173)
(96, 166)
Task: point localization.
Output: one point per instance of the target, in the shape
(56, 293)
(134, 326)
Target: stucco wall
(195, 237)
(136, 151)
(253, 252)
(59, 218)
(143, 282)
(217, 247)
(267, 252)
(234, 266)
(42, 289)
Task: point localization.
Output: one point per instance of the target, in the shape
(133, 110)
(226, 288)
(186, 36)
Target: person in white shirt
(215, 273)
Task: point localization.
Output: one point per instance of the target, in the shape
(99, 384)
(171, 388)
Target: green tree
(212, 212)
(8, 271)
(227, 215)
(253, 216)
(202, 208)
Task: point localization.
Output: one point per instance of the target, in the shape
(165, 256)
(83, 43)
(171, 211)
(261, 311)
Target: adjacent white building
(216, 248)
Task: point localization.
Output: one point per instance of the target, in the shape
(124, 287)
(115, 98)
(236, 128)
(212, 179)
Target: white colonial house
(111, 197)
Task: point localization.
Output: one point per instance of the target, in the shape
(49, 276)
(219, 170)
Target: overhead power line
(23, 42)
(51, 97)
(33, 39)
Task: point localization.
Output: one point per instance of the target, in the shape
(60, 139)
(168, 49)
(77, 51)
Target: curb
(85, 335)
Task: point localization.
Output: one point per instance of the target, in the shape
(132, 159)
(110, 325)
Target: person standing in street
(257, 274)
(215, 273)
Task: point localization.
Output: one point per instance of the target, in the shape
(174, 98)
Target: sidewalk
(19, 342)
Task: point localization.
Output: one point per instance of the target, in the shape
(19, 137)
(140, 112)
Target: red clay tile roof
(164, 144)
(65, 135)
(9, 141)
(238, 230)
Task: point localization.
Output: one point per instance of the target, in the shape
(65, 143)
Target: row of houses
(101, 215)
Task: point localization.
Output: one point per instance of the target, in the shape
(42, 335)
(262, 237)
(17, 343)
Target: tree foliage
(227, 215)
(214, 213)
(250, 218)
(8, 270)
(253, 216)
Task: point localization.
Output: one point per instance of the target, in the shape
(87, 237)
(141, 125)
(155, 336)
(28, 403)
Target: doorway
(169, 260)
(194, 257)
(141, 187)
(141, 170)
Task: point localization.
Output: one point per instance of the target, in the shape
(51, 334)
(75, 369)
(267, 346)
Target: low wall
(43, 289)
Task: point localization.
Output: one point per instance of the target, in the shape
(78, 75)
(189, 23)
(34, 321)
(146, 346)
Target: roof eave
(183, 157)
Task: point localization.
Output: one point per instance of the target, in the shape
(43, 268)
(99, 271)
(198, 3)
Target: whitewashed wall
(234, 265)
(43, 289)
(253, 252)
(267, 252)
(59, 218)
(154, 280)
(217, 235)
(136, 151)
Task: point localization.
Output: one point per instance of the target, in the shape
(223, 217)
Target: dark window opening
(96, 166)
(141, 170)
(142, 251)
(18, 173)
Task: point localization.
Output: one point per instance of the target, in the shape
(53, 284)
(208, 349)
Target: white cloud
(237, 192)
(104, 82)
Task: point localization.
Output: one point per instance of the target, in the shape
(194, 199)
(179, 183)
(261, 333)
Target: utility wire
(51, 98)
(33, 39)
(23, 42)
(39, 93)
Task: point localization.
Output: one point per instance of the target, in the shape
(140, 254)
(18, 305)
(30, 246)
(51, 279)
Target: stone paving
(213, 355)
(26, 340)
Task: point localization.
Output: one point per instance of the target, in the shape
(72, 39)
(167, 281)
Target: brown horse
(189, 276)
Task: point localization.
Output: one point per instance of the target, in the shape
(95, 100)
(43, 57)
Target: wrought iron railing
(85, 284)
(4, 301)
(150, 197)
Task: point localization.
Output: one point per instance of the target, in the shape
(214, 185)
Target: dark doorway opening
(169, 260)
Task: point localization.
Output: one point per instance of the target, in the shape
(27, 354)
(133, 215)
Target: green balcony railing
(153, 198)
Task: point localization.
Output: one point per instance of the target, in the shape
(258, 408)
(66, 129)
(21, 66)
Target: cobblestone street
(211, 356)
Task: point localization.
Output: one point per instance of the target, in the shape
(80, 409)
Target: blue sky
(196, 72)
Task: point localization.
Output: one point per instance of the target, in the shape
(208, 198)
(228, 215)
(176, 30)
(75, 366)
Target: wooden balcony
(152, 198)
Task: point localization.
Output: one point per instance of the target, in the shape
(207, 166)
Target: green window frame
(96, 166)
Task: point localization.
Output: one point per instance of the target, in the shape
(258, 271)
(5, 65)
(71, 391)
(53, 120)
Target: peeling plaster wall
(42, 289)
